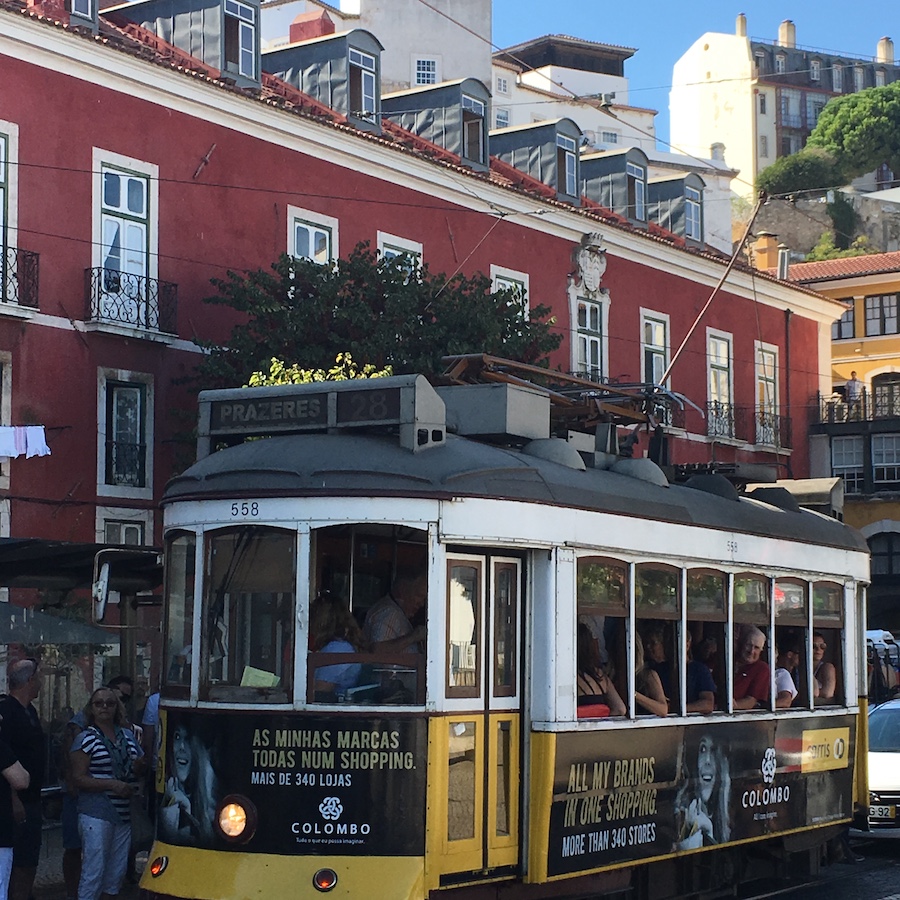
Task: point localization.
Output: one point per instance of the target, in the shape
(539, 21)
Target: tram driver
(751, 676)
(389, 623)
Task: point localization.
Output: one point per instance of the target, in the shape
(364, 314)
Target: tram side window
(179, 604)
(657, 657)
(792, 682)
(827, 659)
(248, 622)
(752, 684)
(601, 653)
(706, 688)
(369, 615)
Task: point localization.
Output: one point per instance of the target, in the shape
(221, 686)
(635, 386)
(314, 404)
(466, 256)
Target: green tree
(344, 368)
(825, 248)
(383, 312)
(861, 130)
(810, 170)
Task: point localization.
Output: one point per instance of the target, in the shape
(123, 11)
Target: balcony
(750, 424)
(882, 403)
(18, 277)
(126, 464)
(133, 301)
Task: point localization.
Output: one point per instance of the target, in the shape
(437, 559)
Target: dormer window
(879, 78)
(82, 8)
(362, 84)
(566, 160)
(837, 75)
(637, 191)
(473, 128)
(859, 78)
(815, 70)
(780, 64)
(240, 38)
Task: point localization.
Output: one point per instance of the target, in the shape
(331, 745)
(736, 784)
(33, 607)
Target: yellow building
(855, 432)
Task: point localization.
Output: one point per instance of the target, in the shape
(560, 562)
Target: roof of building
(846, 267)
(544, 50)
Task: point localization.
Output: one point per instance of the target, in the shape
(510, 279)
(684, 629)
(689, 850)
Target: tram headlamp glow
(324, 880)
(159, 865)
(236, 819)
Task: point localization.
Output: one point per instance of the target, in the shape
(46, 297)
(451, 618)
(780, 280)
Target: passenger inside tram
(389, 623)
(701, 686)
(597, 695)
(658, 655)
(824, 672)
(751, 675)
(649, 698)
(332, 629)
(786, 665)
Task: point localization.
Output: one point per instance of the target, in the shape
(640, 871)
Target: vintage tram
(454, 755)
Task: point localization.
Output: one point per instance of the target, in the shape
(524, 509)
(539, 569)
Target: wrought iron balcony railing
(748, 423)
(121, 298)
(18, 277)
(883, 402)
(126, 464)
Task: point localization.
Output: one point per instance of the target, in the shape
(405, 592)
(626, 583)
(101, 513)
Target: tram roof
(369, 465)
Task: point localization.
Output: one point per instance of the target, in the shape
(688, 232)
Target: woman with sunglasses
(824, 673)
(106, 762)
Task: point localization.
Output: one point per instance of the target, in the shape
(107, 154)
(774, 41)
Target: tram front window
(181, 561)
(248, 614)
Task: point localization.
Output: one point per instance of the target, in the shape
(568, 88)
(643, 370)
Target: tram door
(474, 750)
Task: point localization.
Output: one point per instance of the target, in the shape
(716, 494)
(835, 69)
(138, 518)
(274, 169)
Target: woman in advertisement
(188, 804)
(702, 813)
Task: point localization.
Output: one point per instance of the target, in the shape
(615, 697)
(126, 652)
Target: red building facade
(132, 175)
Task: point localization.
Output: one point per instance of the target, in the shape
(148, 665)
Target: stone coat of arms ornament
(590, 266)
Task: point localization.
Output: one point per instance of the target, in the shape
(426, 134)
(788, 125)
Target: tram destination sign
(304, 410)
(345, 786)
(635, 795)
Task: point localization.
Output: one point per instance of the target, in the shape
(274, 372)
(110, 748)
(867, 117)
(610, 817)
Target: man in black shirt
(21, 731)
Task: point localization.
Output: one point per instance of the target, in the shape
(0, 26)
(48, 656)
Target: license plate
(882, 812)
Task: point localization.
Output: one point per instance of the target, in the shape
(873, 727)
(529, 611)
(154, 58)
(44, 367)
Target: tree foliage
(861, 130)
(826, 249)
(810, 170)
(386, 313)
(344, 369)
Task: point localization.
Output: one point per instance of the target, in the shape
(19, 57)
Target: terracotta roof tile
(848, 267)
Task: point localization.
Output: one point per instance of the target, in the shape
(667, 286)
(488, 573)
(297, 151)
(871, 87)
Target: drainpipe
(787, 379)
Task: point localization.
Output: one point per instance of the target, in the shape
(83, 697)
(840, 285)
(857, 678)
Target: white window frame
(106, 159)
(764, 146)
(567, 177)
(850, 450)
(367, 66)
(501, 117)
(83, 8)
(502, 277)
(118, 376)
(886, 456)
(245, 15)
(765, 430)
(763, 103)
(390, 245)
(503, 85)
(859, 78)
(693, 213)
(609, 137)
(127, 515)
(477, 111)
(661, 351)
(713, 334)
(586, 338)
(837, 78)
(312, 220)
(9, 190)
(815, 70)
(880, 79)
(6, 382)
(637, 176)
(415, 73)
(780, 64)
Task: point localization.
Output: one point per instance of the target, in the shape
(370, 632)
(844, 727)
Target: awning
(62, 565)
(19, 625)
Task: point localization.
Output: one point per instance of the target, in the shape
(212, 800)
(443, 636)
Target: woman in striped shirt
(106, 762)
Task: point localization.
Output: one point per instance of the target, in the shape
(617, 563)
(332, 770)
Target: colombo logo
(331, 808)
(768, 766)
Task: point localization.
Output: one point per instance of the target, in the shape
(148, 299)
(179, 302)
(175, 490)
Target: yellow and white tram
(464, 760)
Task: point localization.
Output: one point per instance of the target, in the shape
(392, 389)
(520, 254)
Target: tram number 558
(244, 510)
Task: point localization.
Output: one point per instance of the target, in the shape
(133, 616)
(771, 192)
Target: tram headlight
(324, 880)
(159, 865)
(236, 819)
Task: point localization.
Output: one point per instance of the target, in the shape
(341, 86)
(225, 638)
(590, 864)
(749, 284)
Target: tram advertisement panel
(320, 785)
(623, 795)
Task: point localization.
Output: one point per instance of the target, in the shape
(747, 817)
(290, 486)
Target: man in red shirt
(751, 675)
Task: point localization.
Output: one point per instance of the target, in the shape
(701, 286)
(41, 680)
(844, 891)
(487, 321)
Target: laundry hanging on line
(22, 440)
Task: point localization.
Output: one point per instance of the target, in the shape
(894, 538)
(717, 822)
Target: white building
(761, 99)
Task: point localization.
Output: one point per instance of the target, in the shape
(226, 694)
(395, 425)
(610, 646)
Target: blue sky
(662, 31)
